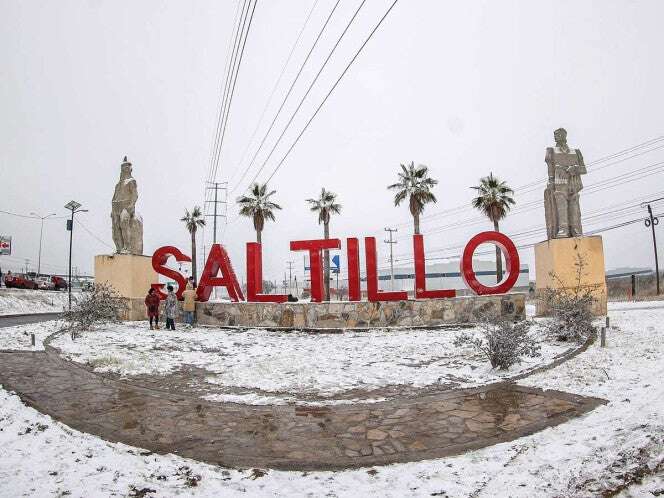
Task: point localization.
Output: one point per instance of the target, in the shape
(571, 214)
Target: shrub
(102, 305)
(570, 308)
(503, 343)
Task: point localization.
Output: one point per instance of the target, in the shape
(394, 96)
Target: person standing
(152, 306)
(189, 305)
(171, 308)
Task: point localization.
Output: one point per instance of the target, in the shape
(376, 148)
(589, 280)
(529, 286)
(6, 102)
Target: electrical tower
(290, 275)
(391, 242)
(218, 213)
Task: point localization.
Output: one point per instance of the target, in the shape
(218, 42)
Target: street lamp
(74, 207)
(41, 233)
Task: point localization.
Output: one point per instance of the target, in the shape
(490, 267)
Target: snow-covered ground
(19, 301)
(597, 452)
(19, 336)
(284, 365)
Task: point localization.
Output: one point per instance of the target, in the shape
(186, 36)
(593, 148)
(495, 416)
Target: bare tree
(570, 307)
(100, 306)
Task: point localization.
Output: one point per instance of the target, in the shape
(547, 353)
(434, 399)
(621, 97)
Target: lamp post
(41, 233)
(74, 207)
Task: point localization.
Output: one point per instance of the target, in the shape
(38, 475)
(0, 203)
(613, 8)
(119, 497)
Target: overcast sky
(464, 87)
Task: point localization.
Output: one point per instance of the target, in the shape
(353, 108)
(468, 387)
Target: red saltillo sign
(218, 271)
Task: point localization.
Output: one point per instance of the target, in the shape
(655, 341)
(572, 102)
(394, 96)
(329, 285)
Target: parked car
(17, 281)
(59, 283)
(45, 283)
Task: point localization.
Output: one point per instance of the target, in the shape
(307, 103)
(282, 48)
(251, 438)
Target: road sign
(5, 245)
(336, 261)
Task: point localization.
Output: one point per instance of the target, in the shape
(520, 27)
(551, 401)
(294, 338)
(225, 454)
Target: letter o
(513, 267)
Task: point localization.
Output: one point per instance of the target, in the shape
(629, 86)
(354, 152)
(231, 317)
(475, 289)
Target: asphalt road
(11, 320)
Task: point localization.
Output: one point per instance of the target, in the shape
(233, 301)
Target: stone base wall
(556, 265)
(131, 275)
(342, 315)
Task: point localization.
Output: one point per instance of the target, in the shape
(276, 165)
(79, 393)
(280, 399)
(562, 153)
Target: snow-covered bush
(503, 343)
(102, 305)
(570, 308)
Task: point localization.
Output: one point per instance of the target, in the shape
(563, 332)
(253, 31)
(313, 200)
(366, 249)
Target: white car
(45, 283)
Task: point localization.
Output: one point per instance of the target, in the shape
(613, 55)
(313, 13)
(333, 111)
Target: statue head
(125, 169)
(560, 136)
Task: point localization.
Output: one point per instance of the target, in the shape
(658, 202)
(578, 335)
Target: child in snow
(152, 305)
(171, 308)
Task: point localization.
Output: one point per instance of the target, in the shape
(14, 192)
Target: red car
(19, 282)
(59, 282)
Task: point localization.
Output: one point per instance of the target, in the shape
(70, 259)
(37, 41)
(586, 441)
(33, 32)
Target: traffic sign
(5, 245)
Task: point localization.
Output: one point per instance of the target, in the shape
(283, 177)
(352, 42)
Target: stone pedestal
(130, 275)
(559, 256)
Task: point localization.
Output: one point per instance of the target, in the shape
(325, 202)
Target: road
(11, 320)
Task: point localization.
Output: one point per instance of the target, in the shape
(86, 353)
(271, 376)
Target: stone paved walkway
(284, 437)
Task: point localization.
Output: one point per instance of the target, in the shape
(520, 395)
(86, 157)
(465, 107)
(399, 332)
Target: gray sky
(464, 87)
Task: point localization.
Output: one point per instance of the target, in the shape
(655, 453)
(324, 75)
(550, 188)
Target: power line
(600, 186)
(223, 91)
(276, 85)
(526, 188)
(288, 93)
(373, 31)
(93, 235)
(30, 216)
(232, 93)
(529, 231)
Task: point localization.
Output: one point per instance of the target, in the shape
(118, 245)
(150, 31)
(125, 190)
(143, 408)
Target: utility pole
(391, 242)
(651, 221)
(74, 207)
(217, 186)
(290, 275)
(41, 233)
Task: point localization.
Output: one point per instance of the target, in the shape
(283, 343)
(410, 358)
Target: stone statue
(127, 223)
(561, 197)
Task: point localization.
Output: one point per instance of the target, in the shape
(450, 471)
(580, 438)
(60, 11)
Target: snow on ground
(18, 337)
(584, 457)
(19, 301)
(320, 365)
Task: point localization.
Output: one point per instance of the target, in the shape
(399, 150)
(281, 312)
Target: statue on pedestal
(127, 223)
(561, 197)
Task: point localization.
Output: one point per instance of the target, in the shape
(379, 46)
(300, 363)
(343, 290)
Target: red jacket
(152, 303)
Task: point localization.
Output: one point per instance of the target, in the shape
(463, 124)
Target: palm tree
(193, 221)
(258, 206)
(325, 206)
(414, 183)
(494, 200)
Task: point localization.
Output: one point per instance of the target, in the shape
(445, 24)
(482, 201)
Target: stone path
(284, 437)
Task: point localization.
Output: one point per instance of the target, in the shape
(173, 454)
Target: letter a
(218, 260)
